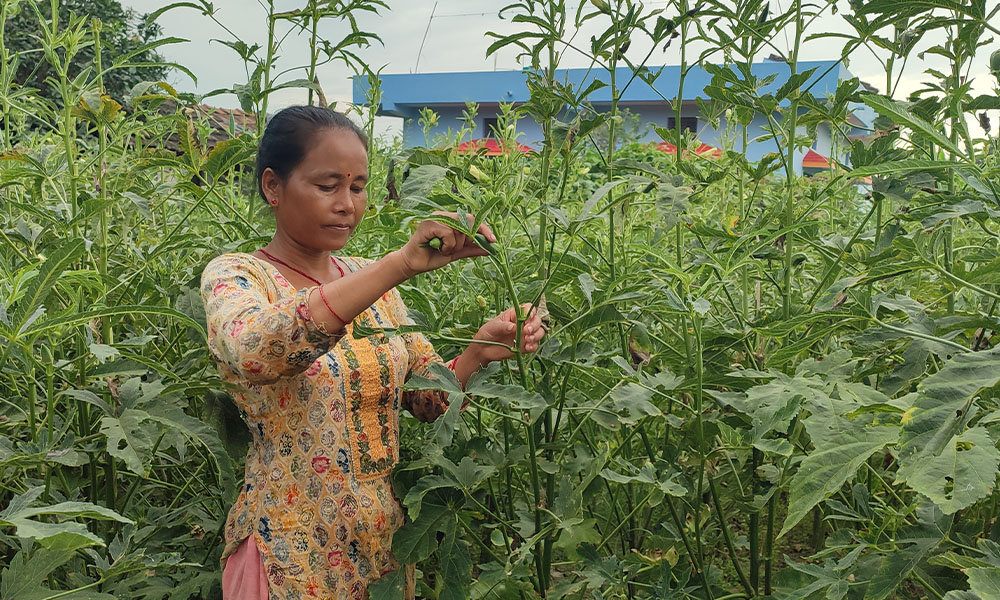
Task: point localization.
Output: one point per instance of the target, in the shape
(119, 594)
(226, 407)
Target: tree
(123, 30)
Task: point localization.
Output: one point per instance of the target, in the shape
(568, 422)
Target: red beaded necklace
(273, 258)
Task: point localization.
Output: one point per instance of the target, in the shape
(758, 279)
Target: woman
(316, 515)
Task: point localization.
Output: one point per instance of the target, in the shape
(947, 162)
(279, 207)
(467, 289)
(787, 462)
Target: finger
(488, 232)
(470, 250)
(508, 315)
(448, 241)
(525, 308)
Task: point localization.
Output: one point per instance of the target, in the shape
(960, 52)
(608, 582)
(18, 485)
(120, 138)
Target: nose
(343, 201)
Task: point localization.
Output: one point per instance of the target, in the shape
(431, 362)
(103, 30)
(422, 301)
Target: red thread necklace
(271, 257)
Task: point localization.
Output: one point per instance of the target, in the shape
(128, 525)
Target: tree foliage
(123, 30)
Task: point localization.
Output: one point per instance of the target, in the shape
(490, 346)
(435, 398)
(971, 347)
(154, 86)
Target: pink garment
(243, 575)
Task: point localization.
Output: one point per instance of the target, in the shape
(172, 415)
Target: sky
(455, 40)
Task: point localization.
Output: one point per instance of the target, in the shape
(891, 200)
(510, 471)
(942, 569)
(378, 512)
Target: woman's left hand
(502, 329)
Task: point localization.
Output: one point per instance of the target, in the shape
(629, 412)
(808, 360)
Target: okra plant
(754, 384)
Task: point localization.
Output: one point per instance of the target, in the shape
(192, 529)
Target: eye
(327, 188)
(357, 189)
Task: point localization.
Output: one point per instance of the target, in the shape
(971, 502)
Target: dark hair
(288, 133)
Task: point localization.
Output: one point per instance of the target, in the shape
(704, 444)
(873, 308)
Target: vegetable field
(755, 384)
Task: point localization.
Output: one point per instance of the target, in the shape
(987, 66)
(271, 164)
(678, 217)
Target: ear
(271, 184)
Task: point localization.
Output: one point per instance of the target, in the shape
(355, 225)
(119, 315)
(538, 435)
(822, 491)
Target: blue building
(404, 95)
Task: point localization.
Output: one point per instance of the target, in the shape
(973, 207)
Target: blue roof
(404, 94)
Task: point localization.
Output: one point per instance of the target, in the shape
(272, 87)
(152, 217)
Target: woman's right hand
(419, 258)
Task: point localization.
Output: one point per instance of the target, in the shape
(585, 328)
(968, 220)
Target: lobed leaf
(841, 447)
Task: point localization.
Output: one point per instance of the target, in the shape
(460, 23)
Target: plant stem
(754, 533)
(313, 9)
(268, 64)
(727, 536)
(32, 398)
(769, 542)
(792, 119)
(102, 145)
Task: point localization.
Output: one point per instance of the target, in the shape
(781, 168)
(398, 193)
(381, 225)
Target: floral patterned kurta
(323, 412)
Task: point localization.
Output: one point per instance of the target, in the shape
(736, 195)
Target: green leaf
(900, 114)
(441, 378)
(940, 411)
(841, 447)
(415, 496)
(903, 166)
(22, 579)
(913, 543)
(416, 540)
(596, 197)
(647, 475)
(959, 562)
(511, 397)
(420, 182)
(40, 286)
(779, 446)
(128, 440)
(197, 431)
(391, 586)
(61, 536)
(961, 595)
(771, 406)
(64, 536)
(22, 501)
(985, 582)
(71, 509)
(630, 404)
(229, 154)
(497, 581)
(103, 352)
(456, 567)
(102, 313)
(961, 474)
(468, 474)
(828, 576)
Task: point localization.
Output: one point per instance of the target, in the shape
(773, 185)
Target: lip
(337, 227)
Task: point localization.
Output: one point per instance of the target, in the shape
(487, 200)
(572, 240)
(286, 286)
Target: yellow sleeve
(259, 340)
(425, 405)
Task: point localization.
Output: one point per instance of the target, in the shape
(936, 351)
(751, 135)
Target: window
(687, 123)
(489, 127)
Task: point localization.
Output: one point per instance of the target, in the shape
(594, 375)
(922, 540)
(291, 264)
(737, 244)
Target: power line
(419, 52)
(491, 13)
(481, 14)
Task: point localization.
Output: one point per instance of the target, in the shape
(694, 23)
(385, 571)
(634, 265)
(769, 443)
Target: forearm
(468, 362)
(353, 293)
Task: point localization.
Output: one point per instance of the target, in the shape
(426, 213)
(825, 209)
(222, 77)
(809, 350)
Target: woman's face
(322, 201)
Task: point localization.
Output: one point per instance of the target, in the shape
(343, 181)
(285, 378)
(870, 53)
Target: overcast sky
(455, 41)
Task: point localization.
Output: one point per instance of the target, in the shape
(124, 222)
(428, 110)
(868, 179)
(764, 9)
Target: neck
(312, 261)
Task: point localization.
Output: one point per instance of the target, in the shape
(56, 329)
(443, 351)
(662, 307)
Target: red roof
(815, 160)
(700, 150)
(492, 145)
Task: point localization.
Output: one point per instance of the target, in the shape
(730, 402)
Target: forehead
(338, 149)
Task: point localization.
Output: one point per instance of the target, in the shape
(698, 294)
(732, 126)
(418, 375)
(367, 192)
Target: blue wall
(446, 93)
(403, 94)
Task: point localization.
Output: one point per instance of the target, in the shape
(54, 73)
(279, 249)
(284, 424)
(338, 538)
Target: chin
(334, 244)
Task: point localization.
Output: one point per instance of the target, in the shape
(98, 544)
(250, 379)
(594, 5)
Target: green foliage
(123, 31)
(738, 358)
